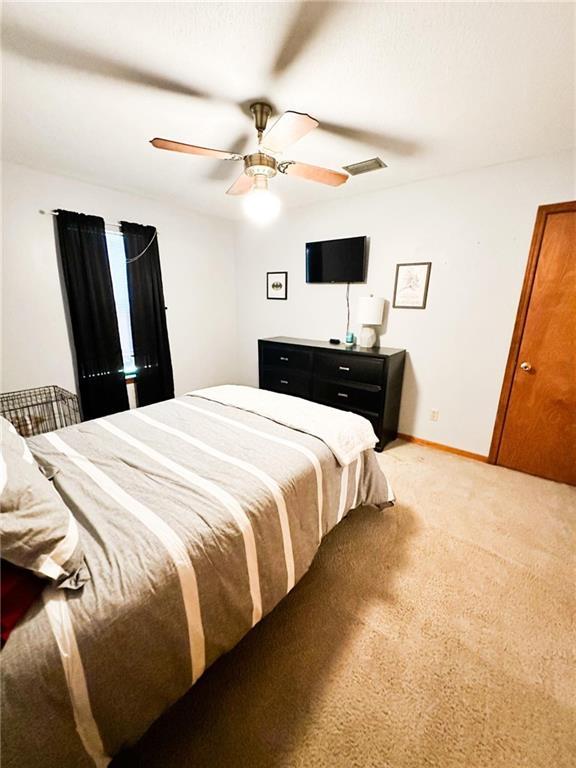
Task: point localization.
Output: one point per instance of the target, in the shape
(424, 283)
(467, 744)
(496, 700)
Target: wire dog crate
(34, 411)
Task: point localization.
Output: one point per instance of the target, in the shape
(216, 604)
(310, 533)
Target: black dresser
(365, 381)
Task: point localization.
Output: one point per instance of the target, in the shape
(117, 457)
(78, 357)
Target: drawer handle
(342, 394)
(283, 381)
(343, 368)
(285, 359)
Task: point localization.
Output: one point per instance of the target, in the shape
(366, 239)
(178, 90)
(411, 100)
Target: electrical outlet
(434, 415)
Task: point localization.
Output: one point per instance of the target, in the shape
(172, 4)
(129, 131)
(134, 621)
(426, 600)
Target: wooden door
(535, 429)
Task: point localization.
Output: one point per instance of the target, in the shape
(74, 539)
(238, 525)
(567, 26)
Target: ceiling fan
(307, 21)
(262, 165)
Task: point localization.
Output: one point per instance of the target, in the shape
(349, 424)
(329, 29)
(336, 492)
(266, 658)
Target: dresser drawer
(349, 368)
(283, 357)
(367, 397)
(289, 382)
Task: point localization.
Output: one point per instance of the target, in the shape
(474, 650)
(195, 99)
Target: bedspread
(196, 519)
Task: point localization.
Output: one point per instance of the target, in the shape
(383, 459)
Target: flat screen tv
(336, 261)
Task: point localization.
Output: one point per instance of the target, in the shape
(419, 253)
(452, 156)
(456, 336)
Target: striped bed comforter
(196, 519)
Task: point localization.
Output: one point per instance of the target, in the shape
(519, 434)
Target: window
(117, 259)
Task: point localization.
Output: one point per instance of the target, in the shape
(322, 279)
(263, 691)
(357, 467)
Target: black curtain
(86, 272)
(154, 379)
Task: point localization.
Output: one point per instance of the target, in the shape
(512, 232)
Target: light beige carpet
(436, 633)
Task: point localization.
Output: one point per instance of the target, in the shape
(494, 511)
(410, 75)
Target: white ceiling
(438, 88)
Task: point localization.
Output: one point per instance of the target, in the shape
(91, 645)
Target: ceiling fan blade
(305, 26)
(223, 171)
(288, 129)
(242, 185)
(192, 149)
(313, 173)
(35, 46)
(398, 146)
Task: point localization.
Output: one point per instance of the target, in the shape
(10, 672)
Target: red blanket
(19, 589)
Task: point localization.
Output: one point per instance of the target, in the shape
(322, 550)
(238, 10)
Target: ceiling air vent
(365, 166)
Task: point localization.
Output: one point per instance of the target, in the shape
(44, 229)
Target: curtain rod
(107, 224)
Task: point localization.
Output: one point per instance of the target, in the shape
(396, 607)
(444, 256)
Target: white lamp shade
(370, 310)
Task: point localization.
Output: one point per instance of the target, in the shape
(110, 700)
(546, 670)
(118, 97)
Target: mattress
(196, 519)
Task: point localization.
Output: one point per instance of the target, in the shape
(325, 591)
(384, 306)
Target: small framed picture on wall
(411, 285)
(277, 285)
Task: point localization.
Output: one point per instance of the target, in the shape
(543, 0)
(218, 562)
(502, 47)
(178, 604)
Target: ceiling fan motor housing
(259, 164)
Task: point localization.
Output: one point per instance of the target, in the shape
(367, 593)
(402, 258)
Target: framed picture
(411, 285)
(276, 285)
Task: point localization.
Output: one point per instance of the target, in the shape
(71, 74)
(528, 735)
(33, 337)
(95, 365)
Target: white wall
(474, 227)
(196, 253)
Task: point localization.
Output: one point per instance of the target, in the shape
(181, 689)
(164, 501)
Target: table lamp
(370, 311)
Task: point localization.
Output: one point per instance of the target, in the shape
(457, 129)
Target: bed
(196, 518)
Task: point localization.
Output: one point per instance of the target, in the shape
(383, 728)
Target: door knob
(526, 367)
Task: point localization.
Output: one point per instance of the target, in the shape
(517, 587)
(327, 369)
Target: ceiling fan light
(260, 205)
